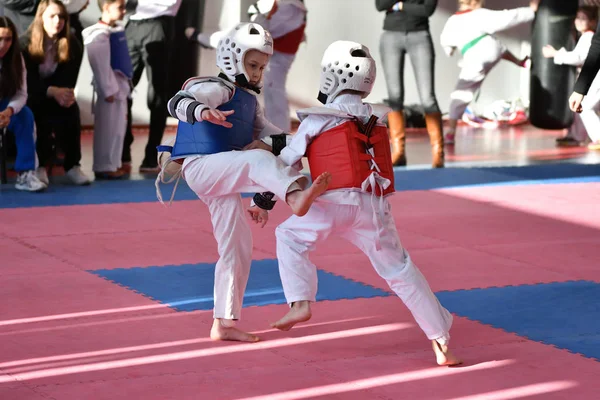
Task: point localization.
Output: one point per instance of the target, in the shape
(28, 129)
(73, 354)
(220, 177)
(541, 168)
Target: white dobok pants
(296, 237)
(218, 180)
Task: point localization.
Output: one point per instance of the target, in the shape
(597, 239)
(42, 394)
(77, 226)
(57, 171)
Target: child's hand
(575, 102)
(549, 51)
(258, 144)
(217, 117)
(258, 215)
(5, 117)
(110, 99)
(533, 4)
(189, 32)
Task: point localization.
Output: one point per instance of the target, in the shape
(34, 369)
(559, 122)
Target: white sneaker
(42, 175)
(77, 176)
(30, 182)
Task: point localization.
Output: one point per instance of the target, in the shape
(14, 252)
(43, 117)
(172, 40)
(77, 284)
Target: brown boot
(397, 137)
(436, 138)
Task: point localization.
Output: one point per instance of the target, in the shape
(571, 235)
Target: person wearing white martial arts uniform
(107, 51)
(286, 21)
(471, 30)
(220, 159)
(588, 122)
(348, 138)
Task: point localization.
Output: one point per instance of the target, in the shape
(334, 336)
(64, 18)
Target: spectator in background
(52, 56)
(406, 31)
(150, 31)
(14, 114)
(588, 122)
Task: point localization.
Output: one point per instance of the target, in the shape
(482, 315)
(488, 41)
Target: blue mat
(106, 192)
(562, 314)
(189, 287)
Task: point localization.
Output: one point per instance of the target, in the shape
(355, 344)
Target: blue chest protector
(208, 138)
(119, 54)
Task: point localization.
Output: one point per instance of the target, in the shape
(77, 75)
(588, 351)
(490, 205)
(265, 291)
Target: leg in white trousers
(218, 179)
(277, 108)
(110, 123)
(590, 115)
(296, 237)
(234, 241)
(249, 171)
(463, 95)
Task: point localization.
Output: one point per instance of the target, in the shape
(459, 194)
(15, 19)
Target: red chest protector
(290, 42)
(343, 151)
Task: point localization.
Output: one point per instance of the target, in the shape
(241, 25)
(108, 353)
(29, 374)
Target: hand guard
(264, 200)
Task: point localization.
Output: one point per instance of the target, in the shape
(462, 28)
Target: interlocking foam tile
(128, 191)
(19, 258)
(558, 201)
(563, 314)
(53, 294)
(190, 287)
(199, 385)
(577, 257)
(134, 249)
(499, 371)
(76, 220)
(20, 392)
(362, 348)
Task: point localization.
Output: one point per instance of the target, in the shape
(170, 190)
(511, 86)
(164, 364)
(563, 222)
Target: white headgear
(346, 66)
(235, 44)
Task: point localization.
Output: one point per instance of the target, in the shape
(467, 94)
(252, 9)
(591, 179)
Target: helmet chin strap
(241, 80)
(322, 97)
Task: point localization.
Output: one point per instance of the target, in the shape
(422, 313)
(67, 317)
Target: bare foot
(220, 332)
(444, 356)
(300, 312)
(301, 200)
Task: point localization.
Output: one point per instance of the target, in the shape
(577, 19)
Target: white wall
(330, 20)
(358, 20)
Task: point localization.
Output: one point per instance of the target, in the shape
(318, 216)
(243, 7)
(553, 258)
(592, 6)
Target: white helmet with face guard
(236, 43)
(346, 66)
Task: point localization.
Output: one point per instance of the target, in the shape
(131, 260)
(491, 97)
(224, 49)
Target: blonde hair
(36, 29)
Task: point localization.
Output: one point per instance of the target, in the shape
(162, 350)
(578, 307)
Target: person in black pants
(52, 67)
(150, 31)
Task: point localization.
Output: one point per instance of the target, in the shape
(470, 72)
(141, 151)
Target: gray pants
(393, 47)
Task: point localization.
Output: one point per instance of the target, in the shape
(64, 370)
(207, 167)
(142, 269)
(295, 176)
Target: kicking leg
(253, 171)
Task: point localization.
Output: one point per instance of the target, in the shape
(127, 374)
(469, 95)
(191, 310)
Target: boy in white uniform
(206, 152)
(347, 137)
(107, 51)
(471, 31)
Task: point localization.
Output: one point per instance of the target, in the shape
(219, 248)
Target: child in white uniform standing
(107, 51)
(347, 137)
(588, 122)
(223, 146)
(471, 31)
(286, 21)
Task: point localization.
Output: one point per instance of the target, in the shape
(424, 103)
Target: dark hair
(101, 3)
(36, 43)
(590, 11)
(11, 74)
